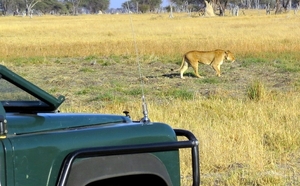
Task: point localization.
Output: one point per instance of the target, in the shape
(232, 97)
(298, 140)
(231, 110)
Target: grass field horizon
(247, 121)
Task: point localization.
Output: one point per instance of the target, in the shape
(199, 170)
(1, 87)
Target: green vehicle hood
(32, 123)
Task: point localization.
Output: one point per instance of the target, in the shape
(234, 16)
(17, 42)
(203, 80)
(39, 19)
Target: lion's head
(229, 56)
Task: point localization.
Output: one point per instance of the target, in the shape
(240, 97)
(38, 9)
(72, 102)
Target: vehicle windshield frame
(31, 98)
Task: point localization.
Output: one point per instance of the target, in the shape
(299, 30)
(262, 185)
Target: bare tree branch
(29, 5)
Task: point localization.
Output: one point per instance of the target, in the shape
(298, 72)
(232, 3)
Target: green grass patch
(87, 69)
(105, 62)
(91, 57)
(116, 58)
(31, 60)
(134, 92)
(297, 83)
(179, 94)
(209, 80)
(246, 62)
(106, 96)
(287, 66)
(58, 61)
(83, 91)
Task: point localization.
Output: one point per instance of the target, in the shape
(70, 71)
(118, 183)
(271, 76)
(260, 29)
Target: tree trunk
(30, 5)
(171, 11)
(209, 11)
(286, 5)
(222, 7)
(277, 7)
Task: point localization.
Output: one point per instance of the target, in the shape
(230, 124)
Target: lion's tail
(182, 63)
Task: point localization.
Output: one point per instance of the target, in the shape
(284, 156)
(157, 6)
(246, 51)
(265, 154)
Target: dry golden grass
(242, 142)
(155, 34)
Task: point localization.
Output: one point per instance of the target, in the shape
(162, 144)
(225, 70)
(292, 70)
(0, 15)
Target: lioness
(214, 58)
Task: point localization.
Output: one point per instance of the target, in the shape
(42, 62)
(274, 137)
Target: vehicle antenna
(145, 119)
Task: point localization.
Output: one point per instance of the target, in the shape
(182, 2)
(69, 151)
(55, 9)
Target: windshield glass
(9, 92)
(19, 95)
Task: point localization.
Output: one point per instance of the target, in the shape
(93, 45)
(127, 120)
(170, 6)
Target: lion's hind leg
(183, 69)
(195, 67)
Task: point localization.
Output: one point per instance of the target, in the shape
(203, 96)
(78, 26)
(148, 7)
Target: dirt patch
(90, 78)
(234, 81)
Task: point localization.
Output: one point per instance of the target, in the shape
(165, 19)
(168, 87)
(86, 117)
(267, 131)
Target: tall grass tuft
(256, 91)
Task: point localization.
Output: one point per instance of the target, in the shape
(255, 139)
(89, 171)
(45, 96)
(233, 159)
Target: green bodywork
(36, 158)
(36, 143)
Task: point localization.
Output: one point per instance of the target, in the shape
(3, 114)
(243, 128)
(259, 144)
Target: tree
(29, 5)
(95, 6)
(142, 5)
(4, 5)
(171, 9)
(51, 6)
(153, 4)
(16, 6)
(218, 4)
(286, 4)
(75, 5)
(222, 6)
(209, 11)
(131, 5)
(282, 4)
(188, 5)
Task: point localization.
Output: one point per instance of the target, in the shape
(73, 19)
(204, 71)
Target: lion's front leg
(217, 69)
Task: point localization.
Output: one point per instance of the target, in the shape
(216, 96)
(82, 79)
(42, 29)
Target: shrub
(256, 91)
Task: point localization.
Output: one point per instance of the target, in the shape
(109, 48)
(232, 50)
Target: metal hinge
(3, 127)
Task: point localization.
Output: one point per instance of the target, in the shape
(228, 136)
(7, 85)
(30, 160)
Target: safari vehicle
(42, 146)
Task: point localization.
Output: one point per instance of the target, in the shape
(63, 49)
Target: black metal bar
(194, 152)
(135, 149)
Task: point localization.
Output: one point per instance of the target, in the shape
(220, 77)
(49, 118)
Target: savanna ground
(247, 121)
